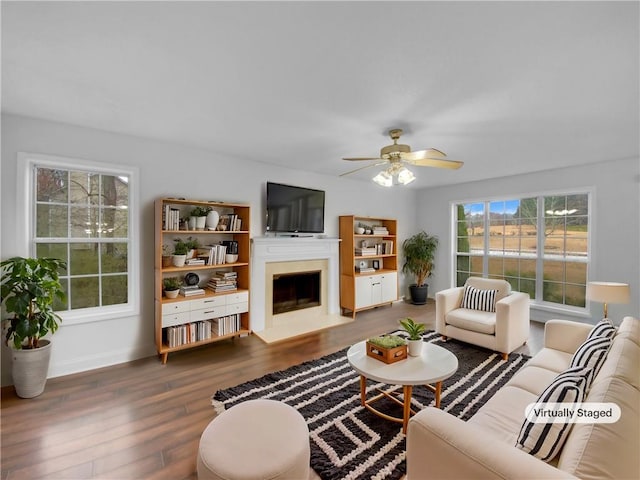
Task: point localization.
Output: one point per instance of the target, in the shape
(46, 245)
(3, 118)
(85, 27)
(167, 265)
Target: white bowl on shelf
(231, 257)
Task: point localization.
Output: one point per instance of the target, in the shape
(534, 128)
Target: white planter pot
(414, 347)
(178, 260)
(212, 220)
(171, 293)
(30, 368)
(200, 223)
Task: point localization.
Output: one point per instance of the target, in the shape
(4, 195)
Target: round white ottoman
(256, 439)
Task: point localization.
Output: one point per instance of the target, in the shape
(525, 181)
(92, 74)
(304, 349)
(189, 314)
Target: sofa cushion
(545, 440)
(551, 359)
(472, 320)
(477, 299)
(592, 353)
(604, 328)
(533, 379)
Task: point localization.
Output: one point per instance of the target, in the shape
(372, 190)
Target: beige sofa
(502, 331)
(442, 446)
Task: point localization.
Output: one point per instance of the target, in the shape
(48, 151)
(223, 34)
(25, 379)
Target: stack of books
(380, 230)
(213, 254)
(195, 261)
(191, 290)
(364, 251)
(223, 282)
(365, 269)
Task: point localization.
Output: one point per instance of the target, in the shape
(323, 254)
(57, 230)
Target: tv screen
(294, 209)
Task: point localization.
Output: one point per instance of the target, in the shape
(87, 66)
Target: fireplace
(277, 257)
(295, 291)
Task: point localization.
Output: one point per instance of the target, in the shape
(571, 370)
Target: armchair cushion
(477, 299)
(473, 320)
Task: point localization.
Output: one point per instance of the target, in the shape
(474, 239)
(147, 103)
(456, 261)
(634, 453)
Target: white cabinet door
(389, 283)
(363, 292)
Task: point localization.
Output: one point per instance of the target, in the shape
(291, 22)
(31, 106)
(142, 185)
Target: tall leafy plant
(419, 254)
(29, 289)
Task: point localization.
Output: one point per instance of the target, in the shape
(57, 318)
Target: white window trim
(25, 209)
(538, 304)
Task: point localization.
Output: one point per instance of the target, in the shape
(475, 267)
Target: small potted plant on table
(415, 331)
(387, 348)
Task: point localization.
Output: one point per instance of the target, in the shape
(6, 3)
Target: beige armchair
(503, 330)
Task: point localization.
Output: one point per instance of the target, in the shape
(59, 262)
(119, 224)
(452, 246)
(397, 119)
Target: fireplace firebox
(296, 291)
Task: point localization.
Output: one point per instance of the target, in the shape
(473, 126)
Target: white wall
(165, 170)
(615, 222)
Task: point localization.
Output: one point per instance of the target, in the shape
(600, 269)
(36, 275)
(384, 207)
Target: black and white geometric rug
(348, 441)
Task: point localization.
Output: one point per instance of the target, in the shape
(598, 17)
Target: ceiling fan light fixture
(405, 176)
(384, 178)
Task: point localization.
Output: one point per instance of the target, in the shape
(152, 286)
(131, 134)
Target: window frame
(25, 228)
(539, 257)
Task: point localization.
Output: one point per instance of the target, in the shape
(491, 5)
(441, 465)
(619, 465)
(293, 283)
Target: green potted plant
(419, 253)
(171, 286)
(200, 215)
(415, 331)
(192, 245)
(387, 348)
(180, 249)
(30, 286)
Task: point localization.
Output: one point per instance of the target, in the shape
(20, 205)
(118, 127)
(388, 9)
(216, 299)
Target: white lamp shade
(608, 292)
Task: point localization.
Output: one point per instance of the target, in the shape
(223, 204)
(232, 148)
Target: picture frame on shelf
(376, 264)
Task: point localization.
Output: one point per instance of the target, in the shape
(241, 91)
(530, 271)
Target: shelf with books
(219, 251)
(368, 262)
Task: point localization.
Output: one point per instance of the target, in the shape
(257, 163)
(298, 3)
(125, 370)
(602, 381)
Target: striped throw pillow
(476, 299)
(604, 328)
(545, 440)
(592, 354)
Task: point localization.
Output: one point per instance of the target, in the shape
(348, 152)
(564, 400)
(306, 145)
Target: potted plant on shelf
(200, 215)
(419, 253)
(171, 286)
(180, 250)
(167, 259)
(415, 331)
(192, 245)
(30, 286)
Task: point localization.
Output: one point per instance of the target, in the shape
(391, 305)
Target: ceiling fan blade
(436, 162)
(357, 159)
(420, 154)
(363, 168)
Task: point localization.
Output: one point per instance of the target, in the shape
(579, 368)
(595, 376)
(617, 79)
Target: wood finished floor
(143, 420)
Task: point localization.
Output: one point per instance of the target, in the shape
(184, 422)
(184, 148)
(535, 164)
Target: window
(539, 244)
(81, 213)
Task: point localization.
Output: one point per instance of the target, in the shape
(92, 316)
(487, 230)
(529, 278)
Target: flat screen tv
(293, 209)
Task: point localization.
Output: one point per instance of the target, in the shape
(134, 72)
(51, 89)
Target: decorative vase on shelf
(192, 223)
(212, 220)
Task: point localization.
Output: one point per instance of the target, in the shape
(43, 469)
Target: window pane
(115, 191)
(553, 292)
(576, 273)
(114, 290)
(528, 269)
(114, 257)
(476, 265)
(84, 188)
(554, 245)
(51, 185)
(59, 305)
(53, 250)
(575, 295)
(495, 266)
(84, 259)
(528, 286)
(84, 292)
(511, 267)
(553, 271)
(84, 222)
(51, 221)
(114, 223)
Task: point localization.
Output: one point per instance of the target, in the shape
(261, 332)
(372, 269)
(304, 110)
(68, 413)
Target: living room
(568, 122)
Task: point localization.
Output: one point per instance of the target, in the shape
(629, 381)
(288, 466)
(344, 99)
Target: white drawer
(175, 307)
(206, 313)
(208, 302)
(237, 308)
(238, 297)
(175, 318)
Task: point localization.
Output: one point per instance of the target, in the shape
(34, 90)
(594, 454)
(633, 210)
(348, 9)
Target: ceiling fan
(397, 156)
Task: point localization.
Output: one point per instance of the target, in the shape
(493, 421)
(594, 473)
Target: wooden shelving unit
(363, 290)
(191, 310)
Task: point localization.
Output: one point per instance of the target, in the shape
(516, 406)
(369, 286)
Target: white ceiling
(507, 87)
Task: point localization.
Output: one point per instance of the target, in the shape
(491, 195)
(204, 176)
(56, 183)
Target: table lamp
(608, 292)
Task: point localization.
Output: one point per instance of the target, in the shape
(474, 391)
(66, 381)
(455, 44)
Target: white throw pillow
(545, 440)
(477, 299)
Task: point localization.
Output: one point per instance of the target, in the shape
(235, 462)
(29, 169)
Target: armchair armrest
(565, 335)
(512, 321)
(447, 300)
(441, 446)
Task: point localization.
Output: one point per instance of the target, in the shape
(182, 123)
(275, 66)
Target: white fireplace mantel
(282, 249)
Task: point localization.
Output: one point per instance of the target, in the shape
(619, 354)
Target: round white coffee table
(434, 365)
